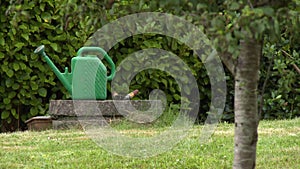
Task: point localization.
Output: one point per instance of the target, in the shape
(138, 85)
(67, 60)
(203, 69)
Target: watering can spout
(63, 77)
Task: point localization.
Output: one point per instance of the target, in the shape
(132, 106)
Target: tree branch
(293, 64)
(297, 68)
(109, 4)
(249, 2)
(228, 61)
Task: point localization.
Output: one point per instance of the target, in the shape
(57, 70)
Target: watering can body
(88, 77)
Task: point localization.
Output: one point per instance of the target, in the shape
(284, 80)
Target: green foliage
(275, 23)
(281, 96)
(63, 27)
(148, 80)
(27, 83)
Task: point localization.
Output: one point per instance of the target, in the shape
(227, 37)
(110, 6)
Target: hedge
(63, 26)
(27, 82)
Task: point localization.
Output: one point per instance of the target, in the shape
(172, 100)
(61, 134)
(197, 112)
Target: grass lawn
(278, 147)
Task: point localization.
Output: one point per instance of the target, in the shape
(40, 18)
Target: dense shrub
(27, 83)
(281, 94)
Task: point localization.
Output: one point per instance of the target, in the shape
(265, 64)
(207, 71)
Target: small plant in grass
(169, 116)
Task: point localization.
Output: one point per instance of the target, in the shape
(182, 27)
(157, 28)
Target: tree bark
(245, 104)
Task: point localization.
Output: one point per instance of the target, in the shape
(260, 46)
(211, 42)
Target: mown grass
(278, 147)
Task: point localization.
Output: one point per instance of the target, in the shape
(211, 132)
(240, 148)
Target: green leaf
(25, 36)
(15, 86)
(19, 44)
(234, 6)
(14, 113)
(14, 31)
(24, 57)
(2, 90)
(42, 92)
(278, 97)
(1, 55)
(34, 111)
(165, 82)
(23, 117)
(9, 82)
(4, 67)
(38, 18)
(23, 92)
(268, 11)
(177, 97)
(201, 6)
(34, 77)
(34, 86)
(48, 26)
(42, 6)
(23, 26)
(46, 16)
(12, 94)
(8, 120)
(4, 114)
(2, 41)
(50, 3)
(60, 37)
(10, 73)
(34, 56)
(41, 67)
(16, 66)
(54, 47)
(23, 65)
(6, 100)
(78, 34)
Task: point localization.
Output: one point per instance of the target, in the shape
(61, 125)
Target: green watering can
(88, 77)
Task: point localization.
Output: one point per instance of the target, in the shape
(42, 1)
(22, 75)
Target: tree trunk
(245, 104)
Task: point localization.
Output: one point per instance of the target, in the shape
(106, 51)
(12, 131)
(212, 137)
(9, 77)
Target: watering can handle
(107, 58)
